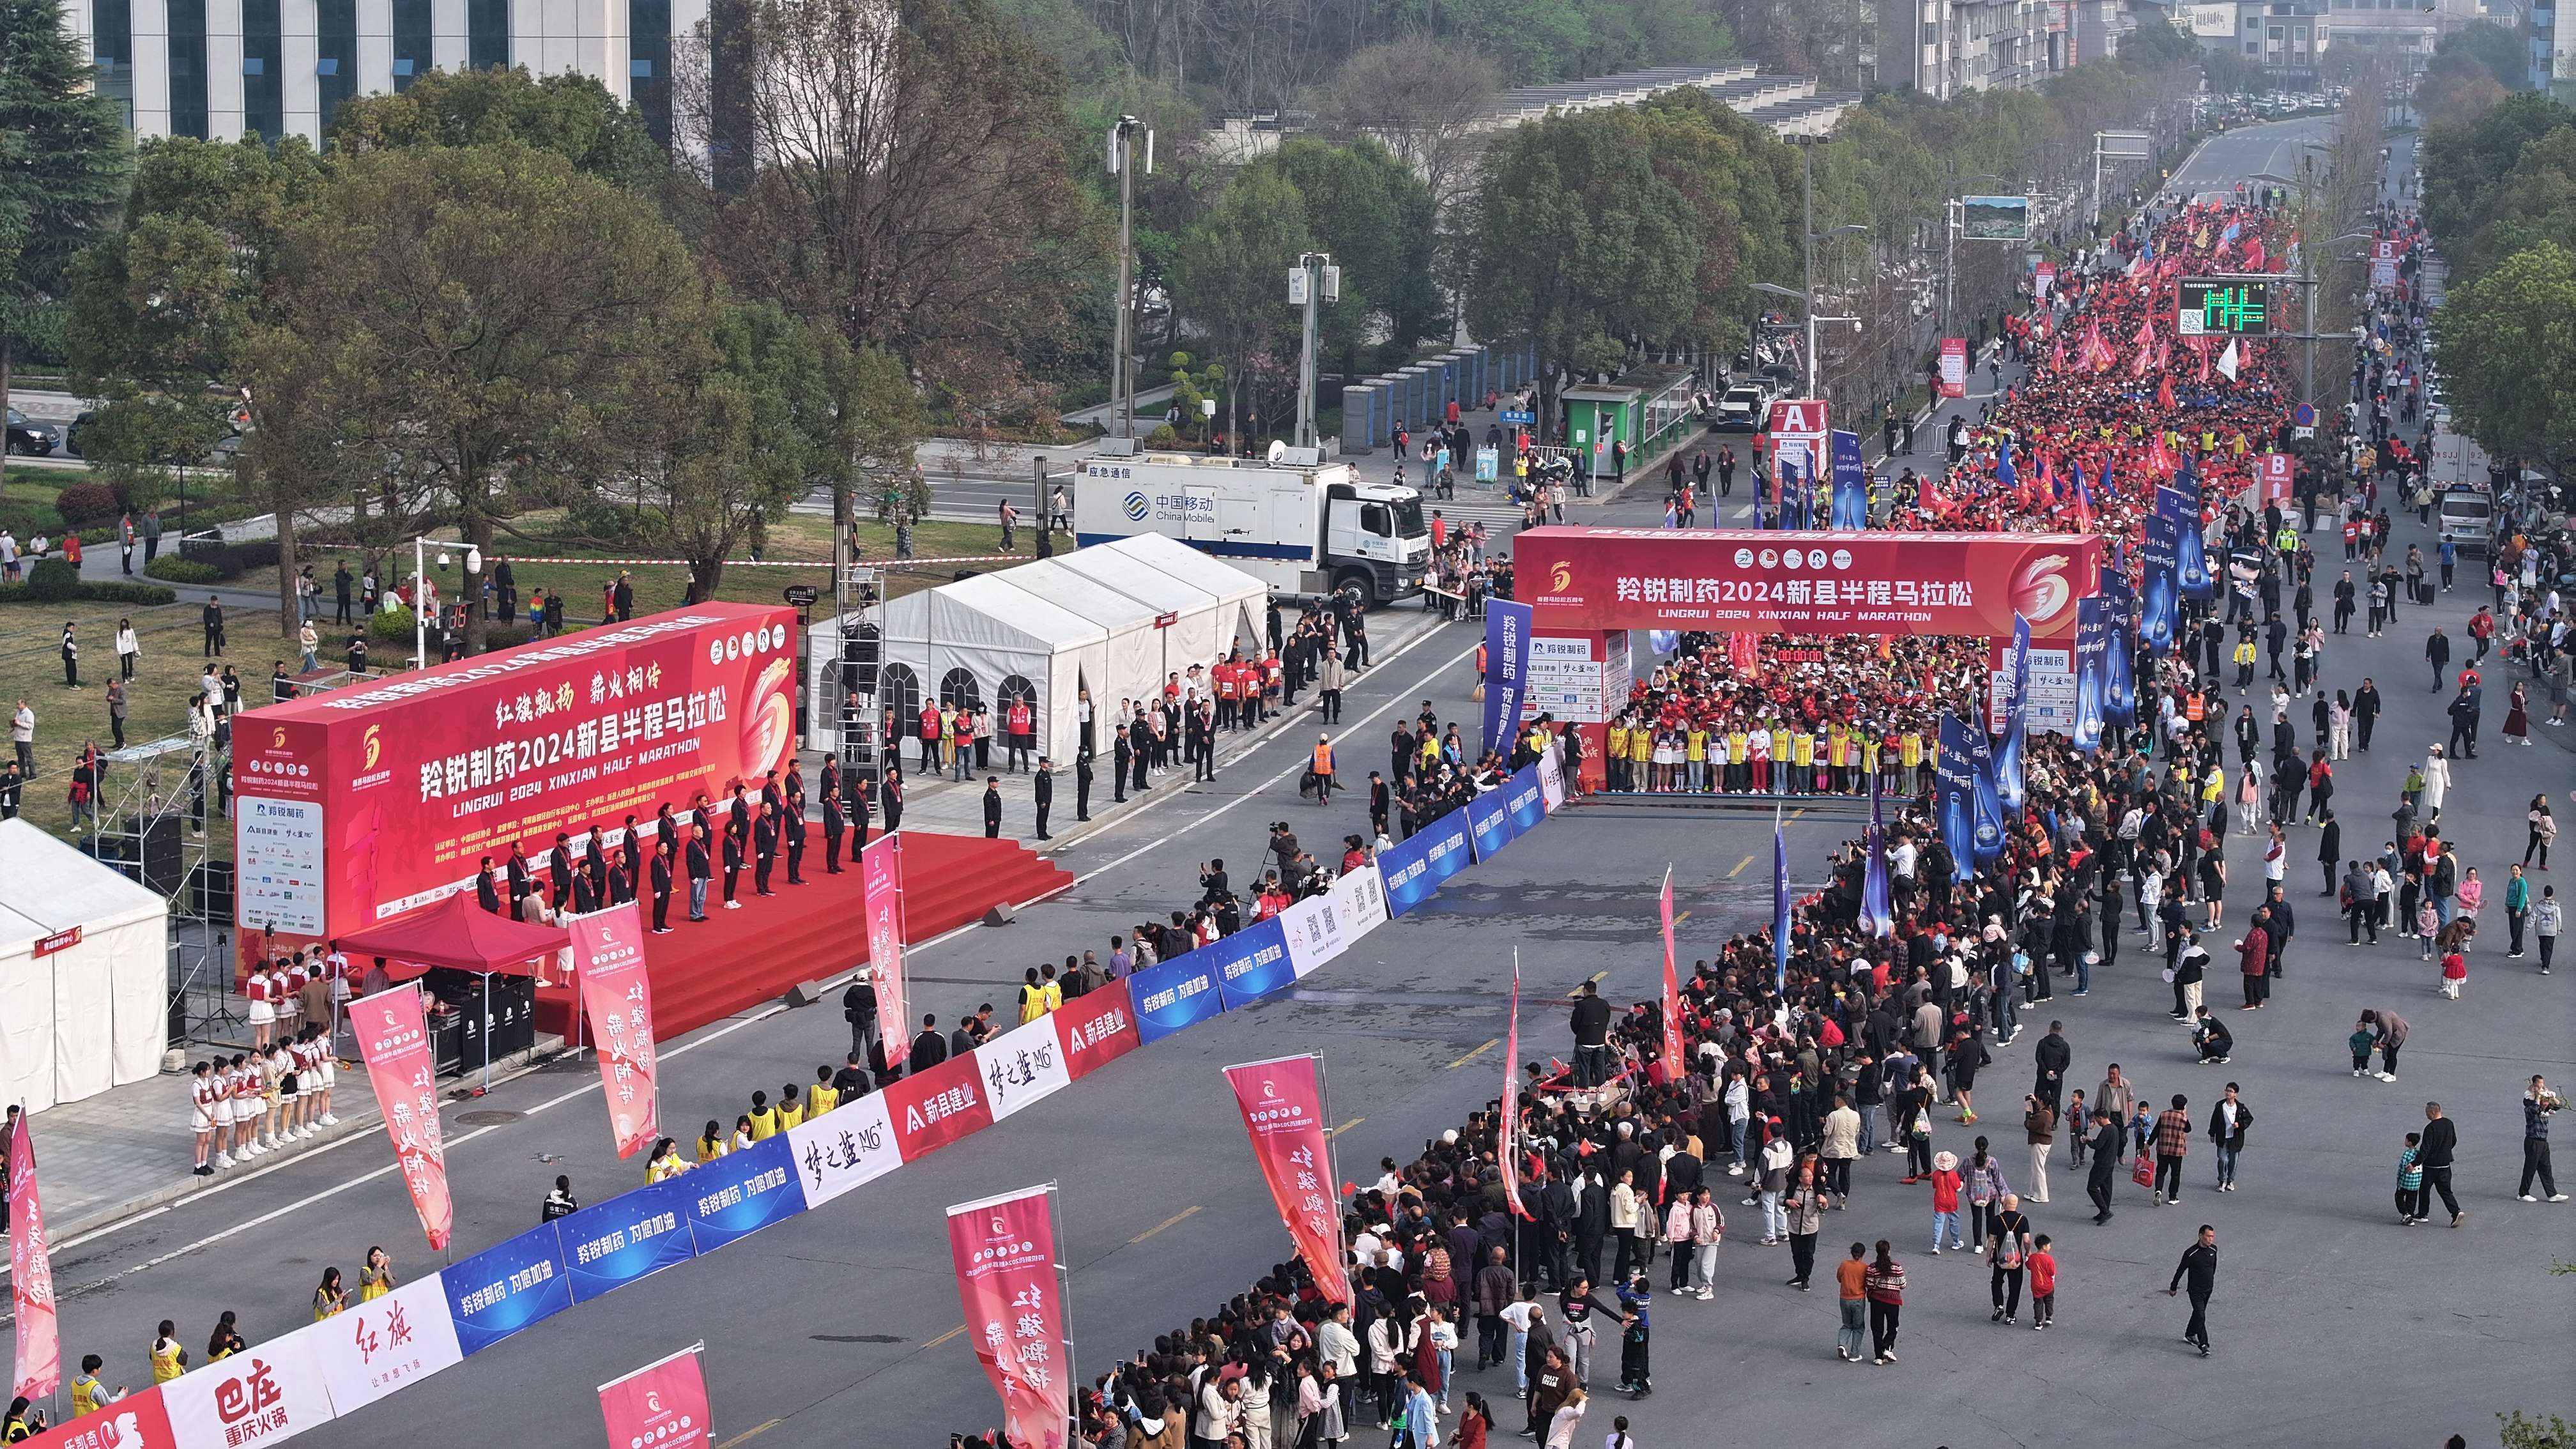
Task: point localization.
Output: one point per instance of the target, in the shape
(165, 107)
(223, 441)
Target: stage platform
(707, 971)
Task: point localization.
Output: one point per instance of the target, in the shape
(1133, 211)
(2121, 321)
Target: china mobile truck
(1300, 525)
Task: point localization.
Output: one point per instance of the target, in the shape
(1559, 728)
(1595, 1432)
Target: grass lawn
(665, 586)
(156, 698)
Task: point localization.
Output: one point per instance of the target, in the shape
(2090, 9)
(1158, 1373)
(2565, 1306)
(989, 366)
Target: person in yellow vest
(1838, 753)
(764, 1118)
(791, 1108)
(666, 1161)
(1738, 749)
(1909, 755)
(711, 1143)
(1802, 762)
(1695, 751)
(22, 1423)
(1322, 765)
(329, 1298)
(89, 1395)
(1864, 760)
(169, 1356)
(1641, 756)
(821, 1097)
(1614, 759)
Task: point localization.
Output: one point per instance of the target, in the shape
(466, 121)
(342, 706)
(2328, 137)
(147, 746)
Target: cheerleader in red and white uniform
(201, 1114)
(242, 1080)
(261, 990)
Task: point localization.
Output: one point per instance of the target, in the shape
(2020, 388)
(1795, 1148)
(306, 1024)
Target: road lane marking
(1591, 980)
(1345, 1127)
(1739, 867)
(757, 1430)
(1184, 1214)
(1471, 1056)
(943, 1338)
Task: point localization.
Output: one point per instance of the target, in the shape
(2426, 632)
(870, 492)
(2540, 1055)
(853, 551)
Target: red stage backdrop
(362, 803)
(1004, 1248)
(1822, 583)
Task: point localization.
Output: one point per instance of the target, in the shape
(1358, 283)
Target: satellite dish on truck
(1278, 450)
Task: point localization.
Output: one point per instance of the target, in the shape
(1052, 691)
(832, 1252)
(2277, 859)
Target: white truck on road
(1299, 524)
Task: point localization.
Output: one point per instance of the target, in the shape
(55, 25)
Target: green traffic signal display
(2229, 306)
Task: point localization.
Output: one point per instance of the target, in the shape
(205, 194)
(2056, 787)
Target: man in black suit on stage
(701, 870)
(487, 894)
(559, 869)
(795, 834)
(662, 890)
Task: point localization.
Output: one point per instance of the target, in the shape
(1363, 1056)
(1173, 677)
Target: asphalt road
(2334, 1325)
(2273, 148)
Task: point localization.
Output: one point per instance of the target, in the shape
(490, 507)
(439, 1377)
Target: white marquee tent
(92, 1011)
(1054, 628)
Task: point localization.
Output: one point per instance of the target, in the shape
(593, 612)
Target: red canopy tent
(459, 934)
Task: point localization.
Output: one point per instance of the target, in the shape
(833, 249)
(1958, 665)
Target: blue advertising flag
(1788, 472)
(1989, 812)
(1252, 963)
(1415, 868)
(1851, 483)
(2092, 648)
(1489, 824)
(1779, 904)
(2008, 771)
(1507, 657)
(2119, 679)
(2192, 578)
(1175, 994)
(2159, 596)
(2005, 474)
(633, 1235)
(509, 1286)
(742, 1192)
(1877, 907)
(1954, 770)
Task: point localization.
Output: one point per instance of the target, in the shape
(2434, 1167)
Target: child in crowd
(1945, 1201)
(2360, 1042)
(2043, 1282)
(2410, 1180)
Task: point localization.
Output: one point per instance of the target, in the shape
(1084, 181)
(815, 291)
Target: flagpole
(1064, 1295)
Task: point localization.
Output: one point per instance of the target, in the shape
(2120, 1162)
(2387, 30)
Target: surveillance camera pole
(1315, 282)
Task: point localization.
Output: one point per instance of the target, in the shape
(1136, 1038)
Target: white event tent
(1114, 619)
(84, 971)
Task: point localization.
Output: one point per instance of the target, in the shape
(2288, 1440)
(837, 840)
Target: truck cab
(1375, 541)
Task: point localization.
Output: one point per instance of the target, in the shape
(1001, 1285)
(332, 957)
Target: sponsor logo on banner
(881, 886)
(632, 1235)
(1252, 963)
(373, 1348)
(1175, 994)
(1097, 1028)
(1022, 1065)
(937, 1107)
(264, 1394)
(659, 1406)
(508, 1286)
(1282, 1105)
(393, 1040)
(851, 1144)
(742, 1192)
(617, 996)
(1551, 778)
(1359, 902)
(1315, 935)
(1489, 824)
(1871, 583)
(1525, 796)
(137, 1421)
(1004, 1252)
(1507, 670)
(1414, 868)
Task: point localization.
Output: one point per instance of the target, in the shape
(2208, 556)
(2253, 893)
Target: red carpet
(737, 959)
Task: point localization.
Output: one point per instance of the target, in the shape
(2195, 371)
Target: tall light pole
(1123, 139)
(1314, 281)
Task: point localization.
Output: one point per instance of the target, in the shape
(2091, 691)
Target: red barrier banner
(1004, 1249)
(31, 1273)
(881, 891)
(1282, 1101)
(1098, 1028)
(393, 1040)
(616, 992)
(1815, 583)
(662, 1405)
(933, 1108)
(137, 1421)
(364, 802)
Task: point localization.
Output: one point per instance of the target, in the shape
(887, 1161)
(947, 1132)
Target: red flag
(393, 1040)
(1282, 1101)
(1004, 1249)
(2254, 255)
(1675, 1067)
(31, 1272)
(663, 1404)
(617, 994)
(2164, 395)
(1507, 1144)
(881, 890)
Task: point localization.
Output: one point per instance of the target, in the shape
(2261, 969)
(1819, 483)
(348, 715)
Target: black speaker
(215, 891)
(1000, 915)
(161, 855)
(805, 993)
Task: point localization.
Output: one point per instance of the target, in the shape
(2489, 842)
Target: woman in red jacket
(2251, 953)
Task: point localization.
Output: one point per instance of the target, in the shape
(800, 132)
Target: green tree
(1233, 272)
(64, 159)
(1573, 240)
(1375, 216)
(2509, 347)
(507, 325)
(571, 115)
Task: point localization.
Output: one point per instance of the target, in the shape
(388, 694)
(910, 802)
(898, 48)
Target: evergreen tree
(63, 162)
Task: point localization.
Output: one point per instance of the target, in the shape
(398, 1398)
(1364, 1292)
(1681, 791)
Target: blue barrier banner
(506, 1287)
(1174, 994)
(1252, 963)
(632, 1235)
(1415, 868)
(1489, 824)
(743, 1192)
(1526, 798)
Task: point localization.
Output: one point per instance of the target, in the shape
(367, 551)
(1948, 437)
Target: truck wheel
(1354, 585)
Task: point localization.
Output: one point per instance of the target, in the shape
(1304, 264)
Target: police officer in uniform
(1045, 791)
(1082, 783)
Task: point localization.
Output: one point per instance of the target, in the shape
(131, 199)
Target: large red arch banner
(1583, 580)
